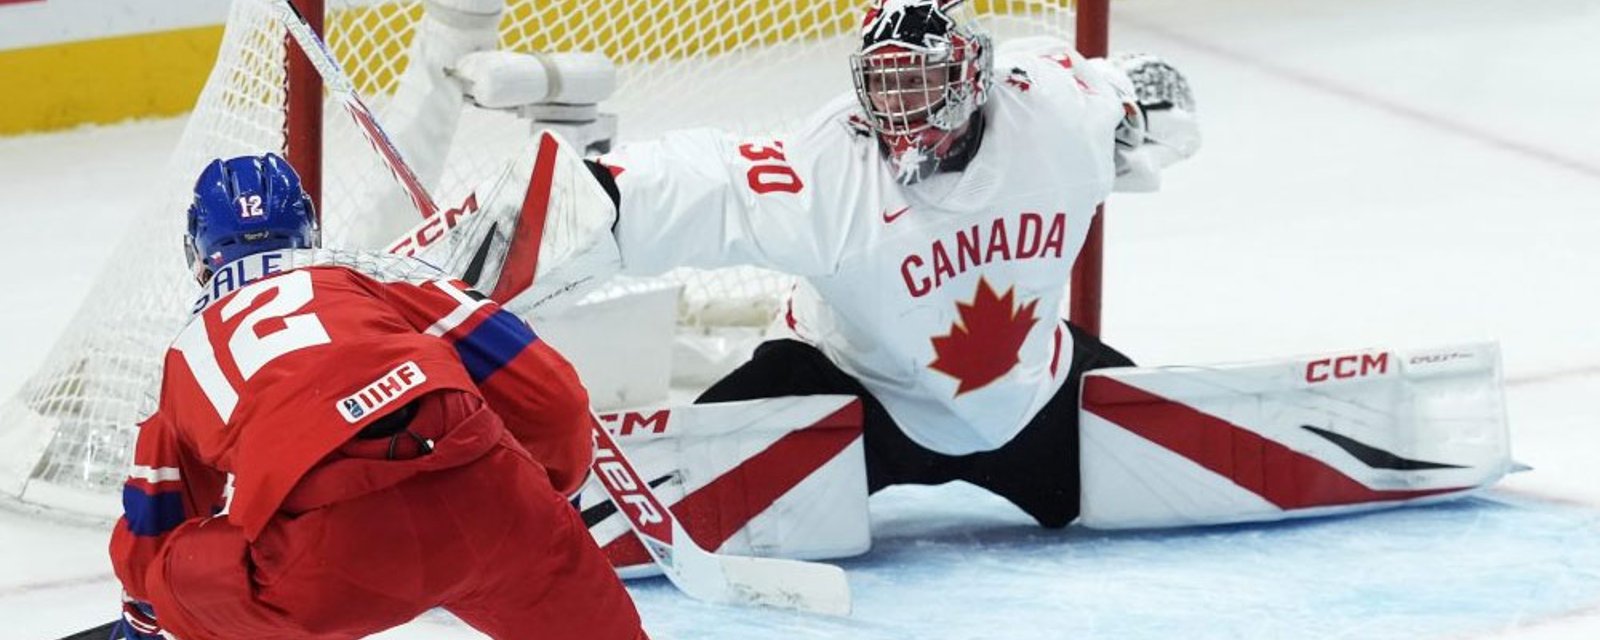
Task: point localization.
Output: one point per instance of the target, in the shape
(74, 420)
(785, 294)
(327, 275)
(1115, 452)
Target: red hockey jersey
(290, 353)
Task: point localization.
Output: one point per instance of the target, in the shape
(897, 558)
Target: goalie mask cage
(752, 66)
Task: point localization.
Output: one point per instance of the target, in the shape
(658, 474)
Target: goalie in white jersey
(934, 217)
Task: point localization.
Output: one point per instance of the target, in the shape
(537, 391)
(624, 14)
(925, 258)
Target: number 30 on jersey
(769, 171)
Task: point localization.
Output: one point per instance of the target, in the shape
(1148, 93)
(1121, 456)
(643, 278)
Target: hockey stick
(339, 84)
(789, 584)
(101, 632)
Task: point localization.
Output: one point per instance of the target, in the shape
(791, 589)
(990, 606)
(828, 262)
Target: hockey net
(746, 65)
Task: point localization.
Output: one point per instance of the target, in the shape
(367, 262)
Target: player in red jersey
(395, 442)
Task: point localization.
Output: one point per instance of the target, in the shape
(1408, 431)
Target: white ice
(1391, 173)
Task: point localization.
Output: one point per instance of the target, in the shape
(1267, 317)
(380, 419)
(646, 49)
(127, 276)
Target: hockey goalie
(933, 216)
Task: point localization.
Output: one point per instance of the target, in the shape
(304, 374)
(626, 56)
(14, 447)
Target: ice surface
(1401, 173)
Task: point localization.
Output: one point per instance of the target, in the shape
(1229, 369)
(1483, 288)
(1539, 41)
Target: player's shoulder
(365, 266)
(1040, 51)
(832, 145)
(1041, 80)
(839, 122)
(1025, 65)
(323, 265)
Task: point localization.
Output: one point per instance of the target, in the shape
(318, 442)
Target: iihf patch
(381, 392)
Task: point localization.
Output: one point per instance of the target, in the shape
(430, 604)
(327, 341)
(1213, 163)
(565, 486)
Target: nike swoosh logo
(890, 217)
(1375, 457)
(475, 267)
(597, 514)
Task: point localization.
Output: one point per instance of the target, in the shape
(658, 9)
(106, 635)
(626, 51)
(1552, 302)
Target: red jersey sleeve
(166, 487)
(533, 389)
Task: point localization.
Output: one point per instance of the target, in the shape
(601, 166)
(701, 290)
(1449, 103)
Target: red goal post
(303, 106)
(1093, 40)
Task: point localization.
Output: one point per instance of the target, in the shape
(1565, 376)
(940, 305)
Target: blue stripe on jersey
(152, 515)
(494, 343)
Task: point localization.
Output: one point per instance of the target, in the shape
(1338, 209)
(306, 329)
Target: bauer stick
(789, 584)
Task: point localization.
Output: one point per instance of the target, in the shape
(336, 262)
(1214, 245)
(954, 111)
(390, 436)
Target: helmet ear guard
(197, 267)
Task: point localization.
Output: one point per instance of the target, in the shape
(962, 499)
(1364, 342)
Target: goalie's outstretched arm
(706, 198)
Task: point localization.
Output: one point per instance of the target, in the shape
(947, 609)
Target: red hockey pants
(365, 543)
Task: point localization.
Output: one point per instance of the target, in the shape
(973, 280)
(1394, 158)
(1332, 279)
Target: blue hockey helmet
(247, 205)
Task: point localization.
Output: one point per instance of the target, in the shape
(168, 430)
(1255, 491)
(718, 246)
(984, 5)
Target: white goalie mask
(920, 78)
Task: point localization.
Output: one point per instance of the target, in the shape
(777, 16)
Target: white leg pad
(778, 477)
(1334, 433)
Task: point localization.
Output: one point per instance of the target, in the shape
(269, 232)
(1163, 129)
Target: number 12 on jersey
(249, 348)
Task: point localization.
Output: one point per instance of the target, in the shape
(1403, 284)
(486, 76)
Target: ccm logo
(624, 424)
(434, 228)
(1345, 367)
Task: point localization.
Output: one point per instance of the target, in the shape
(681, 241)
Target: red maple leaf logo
(983, 344)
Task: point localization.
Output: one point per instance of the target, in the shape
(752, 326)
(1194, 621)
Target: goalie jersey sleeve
(800, 202)
(708, 198)
(941, 297)
(272, 375)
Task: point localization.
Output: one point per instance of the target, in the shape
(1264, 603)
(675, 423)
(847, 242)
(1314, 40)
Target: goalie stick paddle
(339, 84)
(787, 584)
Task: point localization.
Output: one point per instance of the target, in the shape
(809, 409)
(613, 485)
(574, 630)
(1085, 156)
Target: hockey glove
(138, 622)
(1165, 124)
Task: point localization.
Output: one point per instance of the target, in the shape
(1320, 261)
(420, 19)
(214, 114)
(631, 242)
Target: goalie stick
(789, 584)
(101, 632)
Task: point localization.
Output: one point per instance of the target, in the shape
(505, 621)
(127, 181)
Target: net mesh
(744, 65)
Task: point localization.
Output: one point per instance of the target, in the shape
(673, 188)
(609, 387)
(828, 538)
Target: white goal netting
(745, 65)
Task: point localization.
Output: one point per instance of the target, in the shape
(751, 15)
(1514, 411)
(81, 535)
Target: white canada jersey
(943, 297)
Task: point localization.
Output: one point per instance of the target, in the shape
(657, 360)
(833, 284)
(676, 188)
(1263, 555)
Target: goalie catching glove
(1160, 127)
